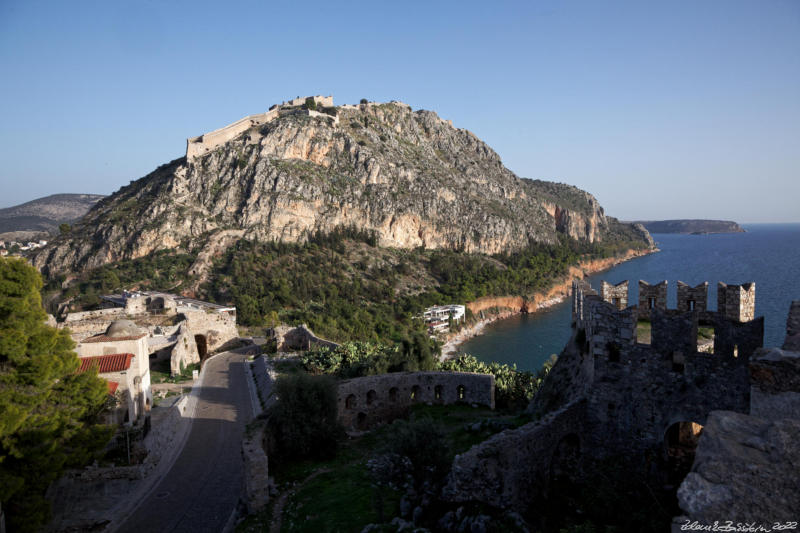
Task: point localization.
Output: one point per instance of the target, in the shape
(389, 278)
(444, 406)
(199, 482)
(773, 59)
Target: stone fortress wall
(368, 401)
(612, 396)
(196, 146)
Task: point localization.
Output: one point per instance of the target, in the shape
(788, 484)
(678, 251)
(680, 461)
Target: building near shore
(437, 318)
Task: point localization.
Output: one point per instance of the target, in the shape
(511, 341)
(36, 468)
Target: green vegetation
(160, 372)
(346, 288)
(64, 228)
(349, 490)
(162, 270)
(47, 410)
(514, 389)
(303, 423)
(356, 359)
(310, 103)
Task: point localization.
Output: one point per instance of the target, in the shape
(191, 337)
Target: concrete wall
(365, 402)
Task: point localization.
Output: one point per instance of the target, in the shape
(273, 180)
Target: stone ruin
(610, 396)
(372, 400)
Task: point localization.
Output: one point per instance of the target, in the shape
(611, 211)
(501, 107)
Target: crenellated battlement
(611, 329)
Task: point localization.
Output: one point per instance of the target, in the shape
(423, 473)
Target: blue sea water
(768, 254)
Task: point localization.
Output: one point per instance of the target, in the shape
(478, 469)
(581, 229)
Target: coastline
(538, 301)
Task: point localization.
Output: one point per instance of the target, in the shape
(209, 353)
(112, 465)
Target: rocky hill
(409, 176)
(691, 226)
(45, 214)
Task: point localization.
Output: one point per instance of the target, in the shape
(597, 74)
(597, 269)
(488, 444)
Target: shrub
(310, 103)
(303, 422)
(363, 101)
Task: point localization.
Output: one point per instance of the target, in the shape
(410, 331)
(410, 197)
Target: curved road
(201, 489)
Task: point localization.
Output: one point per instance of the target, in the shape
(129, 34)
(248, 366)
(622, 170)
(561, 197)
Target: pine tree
(47, 410)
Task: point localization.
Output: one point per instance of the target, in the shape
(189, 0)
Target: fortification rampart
(365, 402)
(202, 144)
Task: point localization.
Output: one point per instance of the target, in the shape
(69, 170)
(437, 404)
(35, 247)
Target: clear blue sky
(660, 109)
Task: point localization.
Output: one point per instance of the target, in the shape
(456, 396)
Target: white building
(444, 312)
(121, 356)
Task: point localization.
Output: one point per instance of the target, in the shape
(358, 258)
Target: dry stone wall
(365, 402)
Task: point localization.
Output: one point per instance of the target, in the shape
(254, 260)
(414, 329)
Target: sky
(679, 109)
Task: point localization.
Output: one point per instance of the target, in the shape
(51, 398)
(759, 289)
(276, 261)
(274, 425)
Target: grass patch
(160, 372)
(643, 331)
(342, 498)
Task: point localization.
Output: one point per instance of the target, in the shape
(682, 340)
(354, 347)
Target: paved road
(202, 488)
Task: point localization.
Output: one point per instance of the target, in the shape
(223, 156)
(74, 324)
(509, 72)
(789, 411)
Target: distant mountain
(695, 226)
(407, 176)
(45, 214)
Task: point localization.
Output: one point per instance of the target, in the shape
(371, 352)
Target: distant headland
(691, 226)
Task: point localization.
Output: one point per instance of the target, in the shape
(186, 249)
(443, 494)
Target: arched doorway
(202, 346)
(680, 443)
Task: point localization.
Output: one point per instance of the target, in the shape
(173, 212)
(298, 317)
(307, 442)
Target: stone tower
(737, 302)
(693, 298)
(651, 297)
(617, 295)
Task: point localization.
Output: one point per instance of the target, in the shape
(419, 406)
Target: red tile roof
(114, 362)
(112, 386)
(104, 338)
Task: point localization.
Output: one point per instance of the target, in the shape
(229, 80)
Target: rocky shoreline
(538, 301)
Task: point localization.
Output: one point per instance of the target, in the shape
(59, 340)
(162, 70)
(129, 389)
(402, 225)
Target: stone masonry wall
(792, 341)
(608, 329)
(513, 468)
(697, 294)
(218, 328)
(737, 302)
(365, 402)
(646, 292)
(617, 295)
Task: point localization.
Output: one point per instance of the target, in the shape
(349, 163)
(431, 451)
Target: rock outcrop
(409, 177)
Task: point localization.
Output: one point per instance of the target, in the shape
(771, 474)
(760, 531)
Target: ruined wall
(737, 302)
(693, 298)
(792, 341)
(256, 471)
(365, 402)
(616, 295)
(673, 331)
(218, 328)
(184, 351)
(651, 296)
(288, 339)
(514, 468)
(608, 329)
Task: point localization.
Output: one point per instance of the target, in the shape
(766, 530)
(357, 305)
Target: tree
(47, 410)
(64, 228)
(363, 101)
(303, 422)
(311, 103)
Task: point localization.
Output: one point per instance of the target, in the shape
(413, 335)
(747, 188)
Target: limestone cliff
(411, 177)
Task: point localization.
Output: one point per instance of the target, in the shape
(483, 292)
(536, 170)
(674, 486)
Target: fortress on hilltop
(203, 144)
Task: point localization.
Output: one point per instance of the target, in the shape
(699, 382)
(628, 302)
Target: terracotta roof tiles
(114, 362)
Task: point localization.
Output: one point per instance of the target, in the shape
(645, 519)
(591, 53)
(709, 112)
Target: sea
(768, 254)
